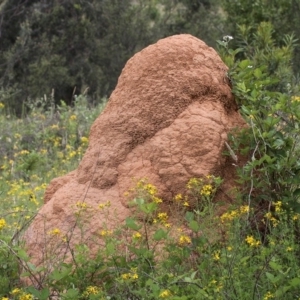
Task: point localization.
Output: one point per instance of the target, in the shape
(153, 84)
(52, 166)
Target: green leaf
(296, 193)
(110, 248)
(244, 259)
(71, 294)
(194, 225)
(41, 295)
(244, 64)
(270, 276)
(295, 282)
(130, 223)
(189, 216)
(275, 266)
(148, 208)
(23, 255)
(257, 73)
(159, 235)
(60, 274)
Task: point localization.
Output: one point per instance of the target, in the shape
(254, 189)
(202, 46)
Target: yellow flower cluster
(217, 286)
(104, 232)
(73, 118)
(184, 200)
(25, 296)
(165, 294)
(20, 294)
(234, 214)
(1, 105)
(16, 291)
(91, 290)
(163, 218)
(268, 296)
(193, 183)
(278, 206)
(2, 224)
(252, 242)
(296, 98)
(54, 232)
(206, 190)
(103, 205)
(54, 126)
(216, 255)
(136, 236)
(84, 140)
(145, 190)
(272, 219)
(184, 240)
(81, 205)
(131, 275)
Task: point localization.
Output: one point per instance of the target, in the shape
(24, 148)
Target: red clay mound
(167, 120)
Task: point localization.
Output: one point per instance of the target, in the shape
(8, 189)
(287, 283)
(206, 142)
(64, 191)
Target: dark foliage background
(66, 47)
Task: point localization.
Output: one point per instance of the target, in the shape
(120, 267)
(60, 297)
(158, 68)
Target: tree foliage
(70, 47)
(282, 14)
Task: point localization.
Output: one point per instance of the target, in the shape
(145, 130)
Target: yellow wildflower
(229, 216)
(151, 189)
(16, 291)
(296, 98)
(133, 275)
(126, 276)
(72, 154)
(268, 215)
(178, 197)
(167, 225)
(136, 236)
(2, 224)
(163, 217)
(1, 105)
(106, 232)
(91, 290)
(184, 240)
(72, 118)
(186, 204)
(84, 140)
(54, 126)
(278, 206)
(26, 297)
(103, 205)
(216, 255)
(252, 242)
(24, 152)
(206, 190)
(156, 200)
(268, 295)
(271, 218)
(244, 209)
(289, 249)
(55, 231)
(81, 205)
(165, 294)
